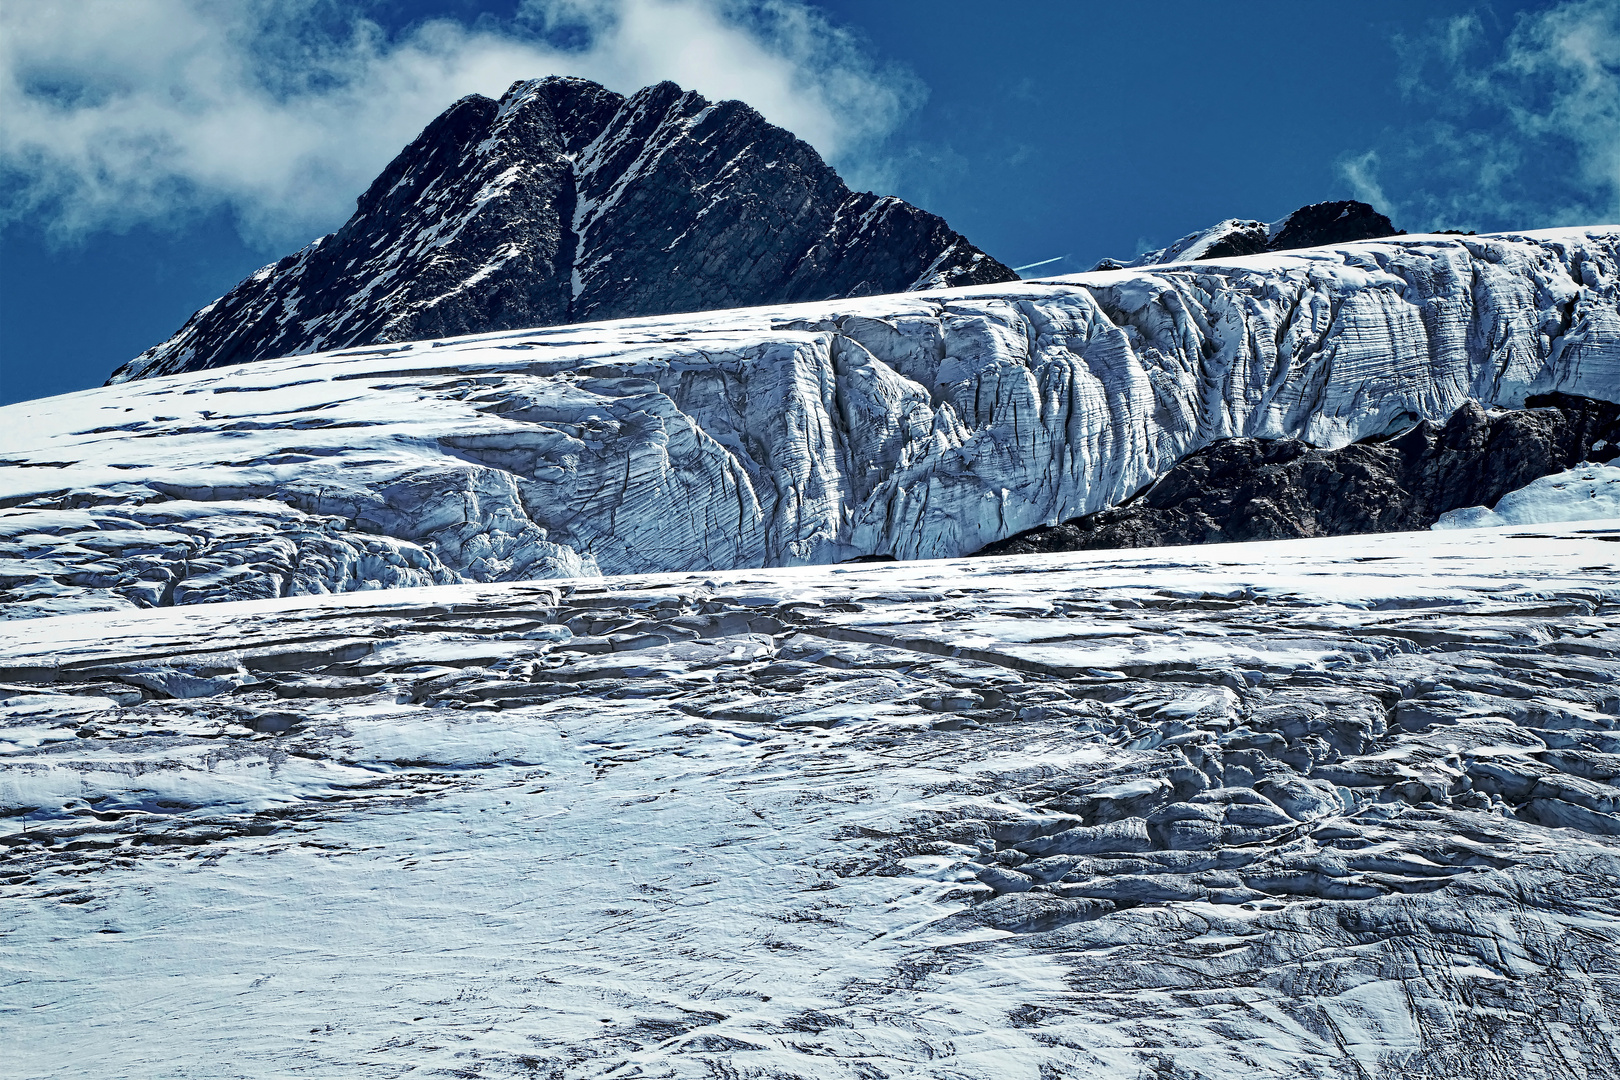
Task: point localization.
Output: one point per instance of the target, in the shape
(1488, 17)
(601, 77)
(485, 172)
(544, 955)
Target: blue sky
(157, 151)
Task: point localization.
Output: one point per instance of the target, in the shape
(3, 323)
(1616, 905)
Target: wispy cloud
(1043, 262)
(121, 112)
(1523, 129)
(1361, 173)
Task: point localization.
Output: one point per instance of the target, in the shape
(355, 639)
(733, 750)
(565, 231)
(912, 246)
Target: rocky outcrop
(1316, 225)
(1276, 489)
(914, 426)
(566, 202)
(1328, 223)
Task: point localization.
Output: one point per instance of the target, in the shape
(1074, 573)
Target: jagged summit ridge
(567, 202)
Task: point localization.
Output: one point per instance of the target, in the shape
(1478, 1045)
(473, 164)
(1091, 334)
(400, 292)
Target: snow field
(1320, 808)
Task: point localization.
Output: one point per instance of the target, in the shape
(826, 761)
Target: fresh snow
(1585, 493)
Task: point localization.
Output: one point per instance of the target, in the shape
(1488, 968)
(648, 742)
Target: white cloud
(119, 112)
(1361, 172)
(1521, 134)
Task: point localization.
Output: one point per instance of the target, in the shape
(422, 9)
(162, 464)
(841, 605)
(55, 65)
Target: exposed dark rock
(1310, 226)
(1273, 489)
(566, 202)
(1329, 223)
(1240, 238)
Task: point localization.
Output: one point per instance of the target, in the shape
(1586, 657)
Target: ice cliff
(914, 425)
(566, 202)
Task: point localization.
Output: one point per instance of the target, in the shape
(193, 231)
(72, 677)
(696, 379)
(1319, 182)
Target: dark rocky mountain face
(566, 202)
(1329, 223)
(1309, 226)
(1275, 489)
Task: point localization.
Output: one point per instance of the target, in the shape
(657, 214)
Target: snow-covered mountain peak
(565, 202)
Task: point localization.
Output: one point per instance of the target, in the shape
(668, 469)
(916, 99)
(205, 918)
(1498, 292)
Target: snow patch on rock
(1585, 493)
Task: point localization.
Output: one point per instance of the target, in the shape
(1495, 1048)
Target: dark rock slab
(1273, 489)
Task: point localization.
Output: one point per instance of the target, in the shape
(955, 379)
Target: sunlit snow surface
(1342, 808)
(1586, 492)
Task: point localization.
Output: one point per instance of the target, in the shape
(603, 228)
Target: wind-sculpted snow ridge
(917, 426)
(1325, 808)
(565, 202)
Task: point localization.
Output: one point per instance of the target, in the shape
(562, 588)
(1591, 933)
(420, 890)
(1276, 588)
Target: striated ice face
(1342, 808)
(913, 425)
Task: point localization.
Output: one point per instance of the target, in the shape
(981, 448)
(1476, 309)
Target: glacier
(1332, 808)
(916, 426)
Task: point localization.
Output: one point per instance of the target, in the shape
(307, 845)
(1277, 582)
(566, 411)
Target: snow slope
(1587, 492)
(914, 425)
(1325, 808)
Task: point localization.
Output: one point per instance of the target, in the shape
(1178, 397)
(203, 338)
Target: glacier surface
(1342, 808)
(914, 425)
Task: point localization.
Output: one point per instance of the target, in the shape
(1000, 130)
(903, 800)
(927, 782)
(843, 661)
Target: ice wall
(914, 425)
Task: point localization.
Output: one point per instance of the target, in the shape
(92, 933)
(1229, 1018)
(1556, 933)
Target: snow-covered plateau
(1341, 807)
(914, 425)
